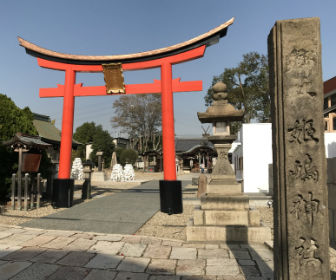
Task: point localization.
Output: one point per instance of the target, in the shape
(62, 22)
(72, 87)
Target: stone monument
(300, 190)
(224, 214)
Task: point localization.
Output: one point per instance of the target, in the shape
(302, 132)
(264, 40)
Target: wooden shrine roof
(207, 39)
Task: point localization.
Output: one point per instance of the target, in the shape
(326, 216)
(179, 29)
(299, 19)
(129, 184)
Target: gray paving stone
(190, 267)
(24, 254)
(104, 261)
(39, 240)
(37, 271)
(108, 237)
(222, 262)
(228, 270)
(10, 269)
(240, 254)
(5, 234)
(181, 253)
(200, 277)
(98, 274)
(157, 252)
(131, 239)
(246, 262)
(133, 264)
(3, 262)
(172, 243)
(8, 249)
(133, 250)
(69, 273)
(76, 258)
(131, 276)
(150, 240)
(84, 235)
(164, 277)
(16, 239)
(212, 253)
(250, 271)
(194, 245)
(80, 244)
(236, 277)
(59, 242)
(161, 266)
(64, 233)
(50, 256)
(107, 247)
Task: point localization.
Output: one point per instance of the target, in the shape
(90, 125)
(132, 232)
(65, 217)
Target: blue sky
(125, 26)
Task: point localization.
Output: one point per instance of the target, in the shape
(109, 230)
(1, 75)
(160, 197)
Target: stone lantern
(220, 114)
(224, 214)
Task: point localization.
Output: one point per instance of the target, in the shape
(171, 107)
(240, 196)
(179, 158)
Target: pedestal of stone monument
(224, 215)
(98, 176)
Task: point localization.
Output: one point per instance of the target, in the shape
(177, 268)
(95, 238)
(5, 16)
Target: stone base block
(98, 176)
(228, 233)
(226, 179)
(254, 218)
(226, 217)
(228, 189)
(224, 202)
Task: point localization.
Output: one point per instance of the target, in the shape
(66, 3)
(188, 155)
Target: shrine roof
(27, 141)
(47, 131)
(209, 38)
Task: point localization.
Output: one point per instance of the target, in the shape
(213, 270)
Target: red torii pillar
(170, 188)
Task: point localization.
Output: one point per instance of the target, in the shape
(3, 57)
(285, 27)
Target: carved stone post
(301, 210)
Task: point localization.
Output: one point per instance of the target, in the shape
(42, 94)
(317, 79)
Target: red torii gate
(170, 189)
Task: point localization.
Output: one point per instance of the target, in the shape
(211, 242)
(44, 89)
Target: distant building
(329, 106)
(193, 154)
(121, 142)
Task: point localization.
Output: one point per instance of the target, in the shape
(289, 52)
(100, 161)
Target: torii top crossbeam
(112, 66)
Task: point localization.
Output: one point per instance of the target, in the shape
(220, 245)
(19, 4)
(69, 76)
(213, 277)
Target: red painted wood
(155, 87)
(67, 125)
(168, 137)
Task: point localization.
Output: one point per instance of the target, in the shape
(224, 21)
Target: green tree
(84, 134)
(247, 86)
(101, 140)
(140, 117)
(12, 120)
(128, 156)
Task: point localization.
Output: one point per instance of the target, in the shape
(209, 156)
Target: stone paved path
(30, 253)
(123, 212)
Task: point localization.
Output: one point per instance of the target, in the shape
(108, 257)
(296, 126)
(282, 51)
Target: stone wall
(331, 181)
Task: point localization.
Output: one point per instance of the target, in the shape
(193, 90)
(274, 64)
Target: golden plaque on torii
(114, 78)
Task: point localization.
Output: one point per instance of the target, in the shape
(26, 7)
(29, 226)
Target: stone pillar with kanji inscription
(300, 212)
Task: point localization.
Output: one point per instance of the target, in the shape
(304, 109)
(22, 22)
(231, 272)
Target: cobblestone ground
(27, 253)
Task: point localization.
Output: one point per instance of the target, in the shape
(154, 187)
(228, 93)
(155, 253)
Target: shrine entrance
(113, 66)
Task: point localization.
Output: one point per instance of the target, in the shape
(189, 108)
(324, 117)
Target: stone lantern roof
(220, 110)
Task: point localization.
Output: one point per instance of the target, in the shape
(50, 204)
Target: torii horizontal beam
(209, 38)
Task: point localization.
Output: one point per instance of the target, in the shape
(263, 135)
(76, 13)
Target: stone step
(224, 202)
(226, 217)
(228, 189)
(228, 233)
